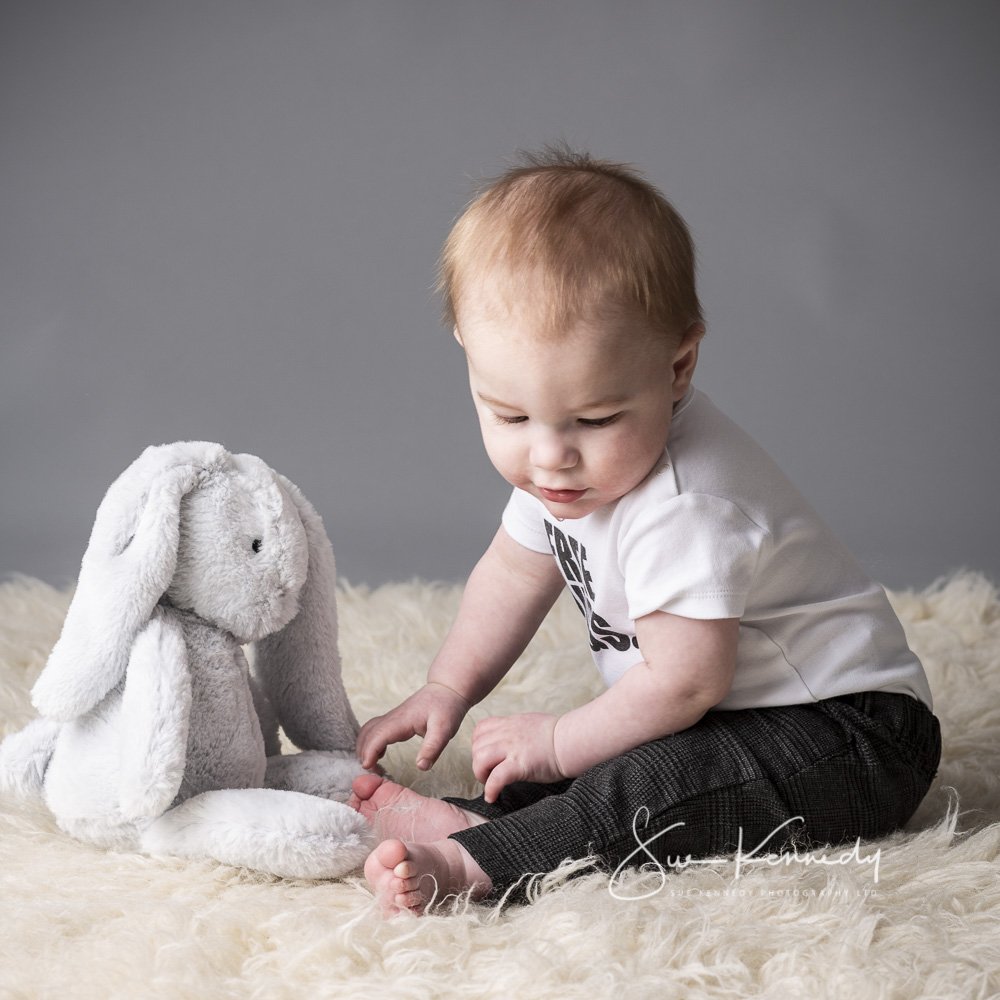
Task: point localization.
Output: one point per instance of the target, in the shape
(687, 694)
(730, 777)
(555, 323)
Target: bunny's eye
(257, 545)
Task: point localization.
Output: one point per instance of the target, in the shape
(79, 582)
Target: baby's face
(578, 421)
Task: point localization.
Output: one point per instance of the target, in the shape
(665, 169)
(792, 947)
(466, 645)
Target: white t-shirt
(717, 531)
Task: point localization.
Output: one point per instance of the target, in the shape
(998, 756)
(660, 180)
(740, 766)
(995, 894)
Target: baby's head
(570, 284)
(565, 238)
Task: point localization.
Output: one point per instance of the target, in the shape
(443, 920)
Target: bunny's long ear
(299, 665)
(128, 565)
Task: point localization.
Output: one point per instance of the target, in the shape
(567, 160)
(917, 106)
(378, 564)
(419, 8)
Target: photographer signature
(742, 859)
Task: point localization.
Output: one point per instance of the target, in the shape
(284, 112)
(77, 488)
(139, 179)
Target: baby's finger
(485, 759)
(439, 730)
(369, 749)
(361, 744)
(484, 727)
(430, 748)
(377, 734)
(485, 734)
(501, 776)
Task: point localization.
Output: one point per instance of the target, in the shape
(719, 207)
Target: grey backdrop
(220, 220)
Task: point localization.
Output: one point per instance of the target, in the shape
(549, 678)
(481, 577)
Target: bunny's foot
(409, 877)
(288, 834)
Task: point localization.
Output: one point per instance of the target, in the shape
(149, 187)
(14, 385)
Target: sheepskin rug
(914, 915)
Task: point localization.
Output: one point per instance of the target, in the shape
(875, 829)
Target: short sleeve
(522, 520)
(694, 555)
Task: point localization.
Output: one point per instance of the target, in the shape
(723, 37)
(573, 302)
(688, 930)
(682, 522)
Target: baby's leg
(409, 877)
(829, 773)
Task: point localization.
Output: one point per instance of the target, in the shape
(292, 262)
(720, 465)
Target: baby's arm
(505, 600)
(687, 668)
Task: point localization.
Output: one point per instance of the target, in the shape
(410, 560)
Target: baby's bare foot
(396, 811)
(409, 877)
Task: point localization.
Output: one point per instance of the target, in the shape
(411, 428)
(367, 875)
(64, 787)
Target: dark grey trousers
(826, 773)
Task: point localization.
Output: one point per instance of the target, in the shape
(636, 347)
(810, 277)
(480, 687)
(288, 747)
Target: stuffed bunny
(154, 734)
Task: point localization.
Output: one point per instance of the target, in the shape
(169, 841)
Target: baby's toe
(364, 785)
(405, 870)
(392, 854)
(412, 900)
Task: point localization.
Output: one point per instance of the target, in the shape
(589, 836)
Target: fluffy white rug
(78, 922)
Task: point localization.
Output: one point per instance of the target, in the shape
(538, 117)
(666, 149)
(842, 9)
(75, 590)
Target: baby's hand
(513, 748)
(434, 712)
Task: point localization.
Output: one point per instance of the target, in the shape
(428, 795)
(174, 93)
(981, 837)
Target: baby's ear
(128, 565)
(299, 666)
(686, 359)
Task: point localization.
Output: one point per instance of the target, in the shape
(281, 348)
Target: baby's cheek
(617, 453)
(629, 460)
(504, 460)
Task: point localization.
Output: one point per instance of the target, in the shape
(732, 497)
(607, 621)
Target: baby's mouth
(561, 496)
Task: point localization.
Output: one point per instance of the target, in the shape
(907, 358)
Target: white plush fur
(83, 922)
(154, 734)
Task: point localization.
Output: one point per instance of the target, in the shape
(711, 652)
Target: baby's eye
(600, 421)
(508, 420)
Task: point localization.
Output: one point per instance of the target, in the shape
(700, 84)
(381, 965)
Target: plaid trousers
(820, 774)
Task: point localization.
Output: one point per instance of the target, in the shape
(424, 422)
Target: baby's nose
(553, 453)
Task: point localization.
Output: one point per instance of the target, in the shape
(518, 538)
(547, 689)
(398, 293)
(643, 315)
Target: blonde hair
(581, 237)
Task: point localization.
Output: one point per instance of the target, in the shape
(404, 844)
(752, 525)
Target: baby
(758, 684)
